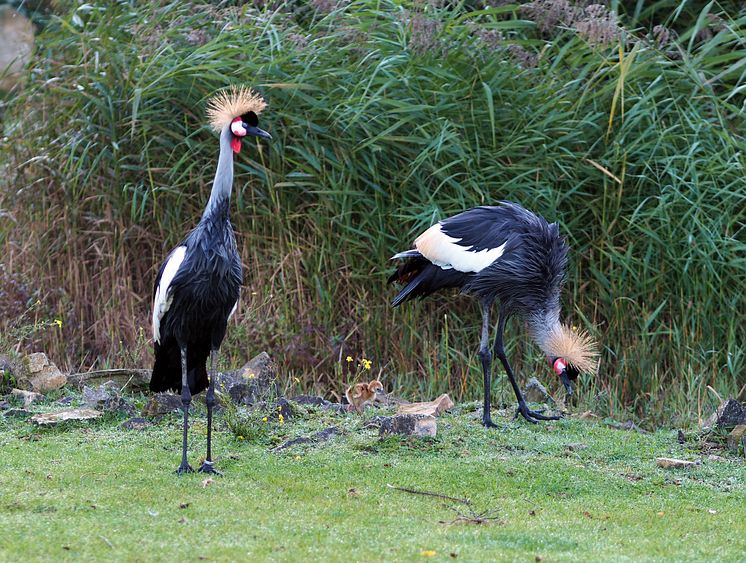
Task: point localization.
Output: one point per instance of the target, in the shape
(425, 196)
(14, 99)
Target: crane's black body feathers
(525, 278)
(205, 289)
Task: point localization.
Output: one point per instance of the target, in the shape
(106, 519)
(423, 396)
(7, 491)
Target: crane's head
(571, 353)
(377, 388)
(237, 108)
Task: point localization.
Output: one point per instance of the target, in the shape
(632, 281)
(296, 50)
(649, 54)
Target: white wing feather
(443, 250)
(163, 296)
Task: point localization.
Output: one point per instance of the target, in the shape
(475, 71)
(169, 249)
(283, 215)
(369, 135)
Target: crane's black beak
(255, 131)
(565, 378)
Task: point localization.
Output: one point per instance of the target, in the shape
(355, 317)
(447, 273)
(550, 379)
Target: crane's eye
(250, 118)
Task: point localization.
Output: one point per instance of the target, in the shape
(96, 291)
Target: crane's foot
(533, 416)
(487, 423)
(184, 468)
(207, 467)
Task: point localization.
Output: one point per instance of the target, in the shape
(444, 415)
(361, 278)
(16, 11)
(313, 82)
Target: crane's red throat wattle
(236, 145)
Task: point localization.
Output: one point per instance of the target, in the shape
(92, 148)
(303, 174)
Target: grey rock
(730, 413)
(28, 397)
(736, 437)
(4, 405)
(322, 436)
(106, 397)
(255, 382)
(16, 44)
(135, 424)
(535, 392)
(162, 403)
(40, 374)
(421, 425)
(64, 401)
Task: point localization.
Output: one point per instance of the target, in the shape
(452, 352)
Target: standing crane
(197, 287)
(508, 253)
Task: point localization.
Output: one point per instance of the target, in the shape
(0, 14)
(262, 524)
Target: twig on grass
(430, 494)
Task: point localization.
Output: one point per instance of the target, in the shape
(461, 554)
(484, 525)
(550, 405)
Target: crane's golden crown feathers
(578, 348)
(232, 102)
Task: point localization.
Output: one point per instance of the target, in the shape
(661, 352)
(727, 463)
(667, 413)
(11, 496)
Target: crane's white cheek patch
(164, 297)
(237, 129)
(444, 251)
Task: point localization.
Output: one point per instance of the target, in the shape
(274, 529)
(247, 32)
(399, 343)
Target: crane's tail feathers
(406, 291)
(232, 102)
(167, 368)
(578, 348)
(421, 278)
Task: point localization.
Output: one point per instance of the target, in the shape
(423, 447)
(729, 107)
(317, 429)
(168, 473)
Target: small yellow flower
(264, 419)
(367, 364)
(428, 553)
(240, 438)
(251, 375)
(297, 458)
(58, 322)
(349, 359)
(281, 419)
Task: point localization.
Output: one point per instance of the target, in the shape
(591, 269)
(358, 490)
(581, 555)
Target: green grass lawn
(96, 492)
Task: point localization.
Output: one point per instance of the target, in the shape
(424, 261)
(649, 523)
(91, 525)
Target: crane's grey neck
(220, 198)
(542, 324)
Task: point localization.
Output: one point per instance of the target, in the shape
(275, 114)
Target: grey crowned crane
(197, 287)
(508, 253)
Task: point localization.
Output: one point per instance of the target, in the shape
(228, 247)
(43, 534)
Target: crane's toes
(207, 467)
(534, 416)
(184, 468)
(487, 423)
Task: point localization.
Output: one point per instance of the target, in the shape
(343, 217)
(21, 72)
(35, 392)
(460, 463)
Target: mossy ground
(96, 492)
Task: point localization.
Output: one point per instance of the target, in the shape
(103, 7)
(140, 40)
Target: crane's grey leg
(528, 414)
(207, 466)
(186, 400)
(486, 357)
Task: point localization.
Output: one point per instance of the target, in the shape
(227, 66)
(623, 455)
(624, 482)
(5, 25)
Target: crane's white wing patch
(235, 306)
(443, 250)
(163, 295)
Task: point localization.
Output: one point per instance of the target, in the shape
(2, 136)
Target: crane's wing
(163, 295)
(472, 240)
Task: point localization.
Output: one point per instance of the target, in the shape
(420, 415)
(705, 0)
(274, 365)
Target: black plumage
(205, 290)
(504, 253)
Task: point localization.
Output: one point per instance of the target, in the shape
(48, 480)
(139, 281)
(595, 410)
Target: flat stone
(322, 436)
(52, 418)
(28, 397)
(736, 437)
(432, 408)
(535, 392)
(138, 379)
(671, 463)
(162, 403)
(420, 425)
(730, 413)
(40, 374)
(135, 424)
(310, 400)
